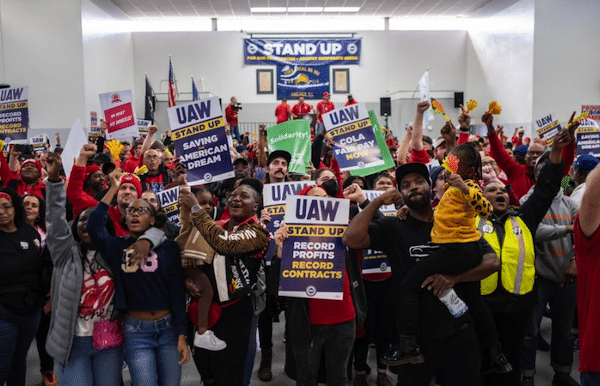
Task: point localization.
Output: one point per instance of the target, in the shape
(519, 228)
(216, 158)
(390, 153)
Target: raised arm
(262, 144)
(58, 238)
(417, 136)
(75, 193)
(403, 149)
(497, 150)
(589, 211)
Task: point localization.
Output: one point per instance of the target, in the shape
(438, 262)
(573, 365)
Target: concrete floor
(190, 374)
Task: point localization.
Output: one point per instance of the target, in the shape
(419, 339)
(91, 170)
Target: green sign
(293, 137)
(388, 162)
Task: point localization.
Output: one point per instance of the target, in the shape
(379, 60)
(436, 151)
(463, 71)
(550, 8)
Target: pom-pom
(450, 163)
(495, 108)
(581, 116)
(438, 109)
(141, 170)
(471, 105)
(115, 147)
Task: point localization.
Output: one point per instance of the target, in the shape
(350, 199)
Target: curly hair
(472, 156)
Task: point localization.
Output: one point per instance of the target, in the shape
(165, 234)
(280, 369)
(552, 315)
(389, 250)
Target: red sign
(120, 117)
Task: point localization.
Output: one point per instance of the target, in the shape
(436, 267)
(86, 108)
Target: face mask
(331, 187)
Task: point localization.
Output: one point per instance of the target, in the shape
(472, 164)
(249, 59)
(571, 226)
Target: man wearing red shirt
(587, 239)
(323, 107)
(301, 108)
(283, 111)
(351, 100)
(231, 116)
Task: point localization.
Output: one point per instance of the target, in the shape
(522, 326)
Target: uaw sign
(302, 51)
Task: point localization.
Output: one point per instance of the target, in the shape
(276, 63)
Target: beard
(418, 202)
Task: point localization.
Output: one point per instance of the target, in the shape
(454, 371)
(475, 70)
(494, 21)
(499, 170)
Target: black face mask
(331, 187)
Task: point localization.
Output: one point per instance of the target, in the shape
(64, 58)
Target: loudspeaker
(385, 105)
(459, 99)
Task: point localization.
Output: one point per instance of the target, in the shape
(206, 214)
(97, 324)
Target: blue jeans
(590, 378)
(249, 366)
(338, 340)
(562, 301)
(151, 352)
(88, 366)
(235, 132)
(16, 335)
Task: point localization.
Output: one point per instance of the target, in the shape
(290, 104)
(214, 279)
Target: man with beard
(449, 344)
(85, 181)
(277, 167)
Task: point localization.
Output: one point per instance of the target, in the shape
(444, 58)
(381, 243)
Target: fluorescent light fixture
(305, 9)
(341, 9)
(267, 9)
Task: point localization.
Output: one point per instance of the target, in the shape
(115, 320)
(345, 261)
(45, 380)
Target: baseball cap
(240, 160)
(325, 94)
(439, 142)
(413, 167)
(586, 162)
(521, 150)
(279, 153)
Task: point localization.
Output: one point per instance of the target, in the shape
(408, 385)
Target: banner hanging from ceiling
(302, 51)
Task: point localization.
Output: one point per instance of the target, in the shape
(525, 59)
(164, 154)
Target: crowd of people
(92, 268)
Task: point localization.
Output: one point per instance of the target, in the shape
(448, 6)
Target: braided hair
(472, 157)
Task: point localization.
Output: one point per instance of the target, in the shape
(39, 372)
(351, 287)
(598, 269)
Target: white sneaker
(209, 341)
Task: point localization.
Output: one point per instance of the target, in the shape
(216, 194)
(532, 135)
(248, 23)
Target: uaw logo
(208, 177)
(517, 230)
(252, 49)
(352, 48)
(487, 228)
(361, 164)
(311, 290)
(383, 267)
(116, 99)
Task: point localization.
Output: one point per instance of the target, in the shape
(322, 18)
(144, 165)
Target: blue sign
(294, 81)
(354, 142)
(302, 51)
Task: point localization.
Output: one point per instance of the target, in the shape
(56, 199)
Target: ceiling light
(305, 9)
(341, 9)
(267, 9)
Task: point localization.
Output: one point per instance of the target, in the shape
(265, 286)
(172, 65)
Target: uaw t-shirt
(97, 293)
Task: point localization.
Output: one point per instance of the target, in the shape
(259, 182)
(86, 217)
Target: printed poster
(169, 202)
(39, 143)
(118, 114)
(294, 81)
(94, 127)
(354, 142)
(377, 261)
(293, 137)
(547, 127)
(198, 131)
(274, 198)
(313, 258)
(142, 128)
(593, 111)
(302, 51)
(587, 138)
(14, 114)
(383, 149)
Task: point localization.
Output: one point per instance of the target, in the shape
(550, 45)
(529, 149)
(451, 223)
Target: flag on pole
(149, 103)
(425, 96)
(172, 85)
(195, 95)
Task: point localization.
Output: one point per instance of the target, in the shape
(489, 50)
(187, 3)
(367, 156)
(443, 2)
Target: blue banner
(169, 202)
(313, 258)
(274, 197)
(302, 51)
(294, 81)
(198, 130)
(14, 114)
(354, 142)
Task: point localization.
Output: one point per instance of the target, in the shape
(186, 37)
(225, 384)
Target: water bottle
(455, 305)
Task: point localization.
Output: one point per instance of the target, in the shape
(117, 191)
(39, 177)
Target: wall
(566, 56)
(107, 60)
(500, 63)
(391, 61)
(42, 49)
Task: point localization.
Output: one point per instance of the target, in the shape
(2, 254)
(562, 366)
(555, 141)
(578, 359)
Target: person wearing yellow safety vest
(510, 231)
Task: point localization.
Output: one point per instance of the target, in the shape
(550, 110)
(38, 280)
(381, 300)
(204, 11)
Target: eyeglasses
(142, 210)
(6, 208)
(533, 152)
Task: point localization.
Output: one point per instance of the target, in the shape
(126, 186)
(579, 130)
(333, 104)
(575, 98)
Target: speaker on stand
(385, 108)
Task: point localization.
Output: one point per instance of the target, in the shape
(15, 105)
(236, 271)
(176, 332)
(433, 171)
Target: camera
(237, 106)
(24, 149)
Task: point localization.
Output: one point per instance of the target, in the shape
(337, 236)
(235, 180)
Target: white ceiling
(142, 9)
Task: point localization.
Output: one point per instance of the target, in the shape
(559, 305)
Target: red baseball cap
(325, 94)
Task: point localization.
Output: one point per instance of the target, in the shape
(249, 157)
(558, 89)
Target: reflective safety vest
(517, 257)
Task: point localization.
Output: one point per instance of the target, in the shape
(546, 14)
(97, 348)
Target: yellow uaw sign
(316, 230)
(197, 128)
(350, 127)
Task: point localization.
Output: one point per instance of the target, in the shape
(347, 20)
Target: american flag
(195, 95)
(172, 85)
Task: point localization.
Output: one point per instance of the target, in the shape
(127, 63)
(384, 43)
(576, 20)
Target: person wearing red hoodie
(28, 179)
(129, 190)
(78, 194)
(134, 157)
